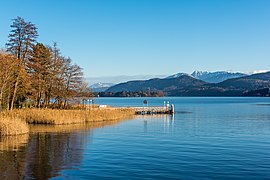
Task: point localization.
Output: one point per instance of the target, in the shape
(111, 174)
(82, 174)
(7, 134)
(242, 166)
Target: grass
(15, 122)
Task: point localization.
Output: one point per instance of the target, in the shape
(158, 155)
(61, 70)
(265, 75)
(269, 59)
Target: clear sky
(131, 37)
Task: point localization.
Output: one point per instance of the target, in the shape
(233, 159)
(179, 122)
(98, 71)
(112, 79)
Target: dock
(154, 110)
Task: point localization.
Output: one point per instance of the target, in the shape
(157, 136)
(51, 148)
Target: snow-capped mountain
(211, 77)
(100, 87)
(198, 74)
(216, 77)
(178, 75)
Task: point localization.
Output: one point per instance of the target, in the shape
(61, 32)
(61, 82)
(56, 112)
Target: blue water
(207, 138)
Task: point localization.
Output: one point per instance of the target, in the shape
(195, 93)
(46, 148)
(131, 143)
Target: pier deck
(154, 110)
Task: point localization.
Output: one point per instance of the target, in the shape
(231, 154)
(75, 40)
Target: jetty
(167, 108)
(154, 110)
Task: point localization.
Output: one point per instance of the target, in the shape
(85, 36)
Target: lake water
(206, 138)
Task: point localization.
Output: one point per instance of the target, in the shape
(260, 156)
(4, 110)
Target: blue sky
(131, 37)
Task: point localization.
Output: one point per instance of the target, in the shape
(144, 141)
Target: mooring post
(172, 109)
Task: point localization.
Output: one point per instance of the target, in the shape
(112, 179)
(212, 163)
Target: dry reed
(58, 117)
(15, 122)
(12, 126)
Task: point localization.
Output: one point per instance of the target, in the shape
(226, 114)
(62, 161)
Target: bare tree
(39, 69)
(21, 40)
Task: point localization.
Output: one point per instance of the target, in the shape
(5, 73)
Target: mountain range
(211, 77)
(167, 84)
(191, 85)
(101, 87)
(120, 78)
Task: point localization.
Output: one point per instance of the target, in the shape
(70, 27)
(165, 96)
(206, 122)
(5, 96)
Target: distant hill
(186, 85)
(205, 90)
(252, 82)
(100, 87)
(264, 92)
(178, 75)
(216, 77)
(157, 84)
(120, 78)
(231, 87)
(211, 77)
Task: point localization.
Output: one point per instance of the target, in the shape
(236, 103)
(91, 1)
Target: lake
(206, 138)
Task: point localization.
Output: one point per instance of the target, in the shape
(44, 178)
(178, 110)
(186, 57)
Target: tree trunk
(48, 98)
(8, 99)
(1, 100)
(39, 100)
(14, 93)
(1, 96)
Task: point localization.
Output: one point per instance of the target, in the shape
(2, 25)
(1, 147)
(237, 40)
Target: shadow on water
(264, 104)
(46, 151)
(182, 112)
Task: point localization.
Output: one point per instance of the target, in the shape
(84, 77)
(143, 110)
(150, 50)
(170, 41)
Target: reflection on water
(13, 142)
(46, 151)
(12, 156)
(158, 120)
(71, 128)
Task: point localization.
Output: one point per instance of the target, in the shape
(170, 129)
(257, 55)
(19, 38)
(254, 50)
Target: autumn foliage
(36, 75)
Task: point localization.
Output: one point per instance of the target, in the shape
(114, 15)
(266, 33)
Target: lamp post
(91, 101)
(88, 103)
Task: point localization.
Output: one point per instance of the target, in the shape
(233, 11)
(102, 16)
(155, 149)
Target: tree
(22, 38)
(69, 81)
(6, 68)
(39, 69)
(9, 67)
(21, 41)
(56, 86)
(35, 71)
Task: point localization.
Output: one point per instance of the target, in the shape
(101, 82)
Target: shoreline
(17, 122)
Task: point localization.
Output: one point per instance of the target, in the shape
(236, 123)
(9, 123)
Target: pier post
(172, 109)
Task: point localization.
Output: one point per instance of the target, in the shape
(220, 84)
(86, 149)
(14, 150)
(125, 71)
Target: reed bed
(61, 117)
(12, 126)
(16, 122)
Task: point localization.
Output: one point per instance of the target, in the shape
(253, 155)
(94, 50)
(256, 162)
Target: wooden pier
(154, 109)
